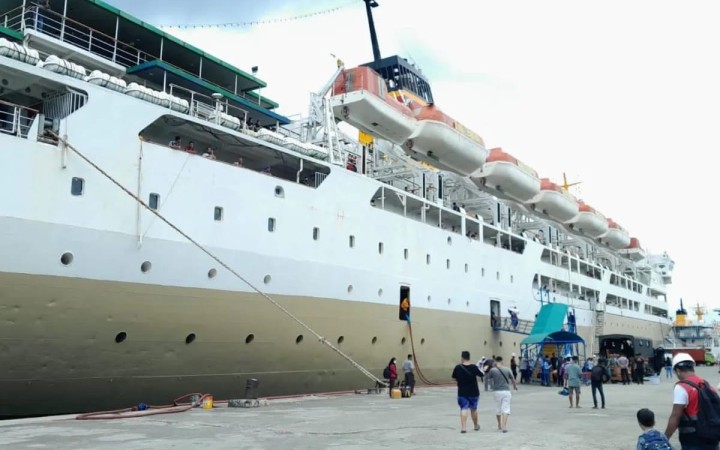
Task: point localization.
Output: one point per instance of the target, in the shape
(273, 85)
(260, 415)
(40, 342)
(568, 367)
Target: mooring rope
(321, 339)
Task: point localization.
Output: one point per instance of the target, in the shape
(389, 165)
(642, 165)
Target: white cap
(684, 358)
(513, 354)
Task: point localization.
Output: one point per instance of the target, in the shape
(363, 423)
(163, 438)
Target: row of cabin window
(77, 188)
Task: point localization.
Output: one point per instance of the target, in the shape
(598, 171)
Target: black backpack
(599, 374)
(386, 372)
(708, 419)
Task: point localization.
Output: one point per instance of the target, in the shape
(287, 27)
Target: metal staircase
(523, 326)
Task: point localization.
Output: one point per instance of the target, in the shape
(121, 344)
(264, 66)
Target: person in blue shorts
(466, 375)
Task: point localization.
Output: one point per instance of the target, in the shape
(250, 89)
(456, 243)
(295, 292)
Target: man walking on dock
(468, 394)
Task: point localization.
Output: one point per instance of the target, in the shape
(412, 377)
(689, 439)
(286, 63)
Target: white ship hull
(185, 323)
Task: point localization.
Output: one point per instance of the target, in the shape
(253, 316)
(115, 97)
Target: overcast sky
(622, 96)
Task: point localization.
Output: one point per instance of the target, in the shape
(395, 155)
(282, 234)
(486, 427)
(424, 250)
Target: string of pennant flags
(260, 22)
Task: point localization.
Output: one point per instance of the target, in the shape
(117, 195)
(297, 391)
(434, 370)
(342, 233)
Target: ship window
(271, 224)
(427, 258)
(404, 309)
(466, 267)
(77, 186)
(447, 263)
(497, 275)
(154, 201)
(218, 213)
(482, 272)
(512, 279)
(405, 253)
(381, 247)
(316, 233)
(352, 241)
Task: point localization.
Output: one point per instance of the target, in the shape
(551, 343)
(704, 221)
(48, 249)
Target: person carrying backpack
(696, 408)
(598, 376)
(651, 439)
(390, 373)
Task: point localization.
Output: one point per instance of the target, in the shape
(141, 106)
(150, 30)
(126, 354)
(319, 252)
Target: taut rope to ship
(275, 303)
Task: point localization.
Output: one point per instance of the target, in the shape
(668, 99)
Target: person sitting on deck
(209, 153)
(176, 143)
(190, 148)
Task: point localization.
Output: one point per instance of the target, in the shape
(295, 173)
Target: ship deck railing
(15, 119)
(505, 324)
(71, 32)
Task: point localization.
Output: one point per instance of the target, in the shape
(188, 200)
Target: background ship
(700, 337)
(104, 305)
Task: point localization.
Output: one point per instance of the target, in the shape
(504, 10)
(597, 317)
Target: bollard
(251, 387)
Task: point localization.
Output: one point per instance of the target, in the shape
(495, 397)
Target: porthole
(120, 337)
(449, 240)
(427, 258)
(466, 267)
(67, 258)
(145, 266)
(500, 343)
(429, 298)
(497, 275)
(512, 279)
(405, 253)
(422, 341)
(447, 264)
(299, 339)
(381, 248)
(190, 338)
(380, 292)
(374, 340)
(249, 338)
(350, 288)
(514, 344)
(482, 272)
(449, 300)
(218, 214)
(279, 192)
(467, 304)
(351, 241)
(267, 279)
(402, 341)
(154, 201)
(485, 343)
(316, 233)
(271, 224)
(212, 273)
(341, 339)
(77, 186)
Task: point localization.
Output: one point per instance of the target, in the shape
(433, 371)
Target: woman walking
(393, 374)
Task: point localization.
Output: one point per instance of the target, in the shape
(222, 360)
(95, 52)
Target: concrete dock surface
(541, 419)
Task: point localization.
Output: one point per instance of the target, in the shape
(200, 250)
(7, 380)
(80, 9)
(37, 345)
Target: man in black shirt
(466, 374)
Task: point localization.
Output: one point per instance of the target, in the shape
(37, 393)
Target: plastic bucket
(207, 402)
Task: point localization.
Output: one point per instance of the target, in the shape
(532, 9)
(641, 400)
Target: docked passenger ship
(104, 305)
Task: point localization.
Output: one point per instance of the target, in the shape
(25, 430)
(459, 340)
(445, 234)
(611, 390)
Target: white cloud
(621, 95)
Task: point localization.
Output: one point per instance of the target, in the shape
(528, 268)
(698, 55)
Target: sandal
(477, 427)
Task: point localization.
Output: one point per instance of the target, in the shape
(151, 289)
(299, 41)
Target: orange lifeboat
(445, 143)
(507, 177)
(616, 237)
(555, 202)
(634, 250)
(360, 98)
(589, 221)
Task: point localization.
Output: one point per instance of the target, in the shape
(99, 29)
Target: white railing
(206, 108)
(74, 33)
(15, 120)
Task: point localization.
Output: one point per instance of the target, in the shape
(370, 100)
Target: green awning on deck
(557, 337)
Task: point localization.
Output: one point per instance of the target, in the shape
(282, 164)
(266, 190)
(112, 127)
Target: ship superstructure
(104, 305)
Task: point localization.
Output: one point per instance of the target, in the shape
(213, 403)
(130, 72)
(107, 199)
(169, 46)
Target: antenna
(369, 4)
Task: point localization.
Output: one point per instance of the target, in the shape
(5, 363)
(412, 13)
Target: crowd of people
(696, 403)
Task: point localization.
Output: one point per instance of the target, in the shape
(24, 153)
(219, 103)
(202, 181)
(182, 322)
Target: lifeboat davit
(616, 237)
(555, 202)
(634, 251)
(444, 143)
(589, 221)
(507, 177)
(360, 98)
